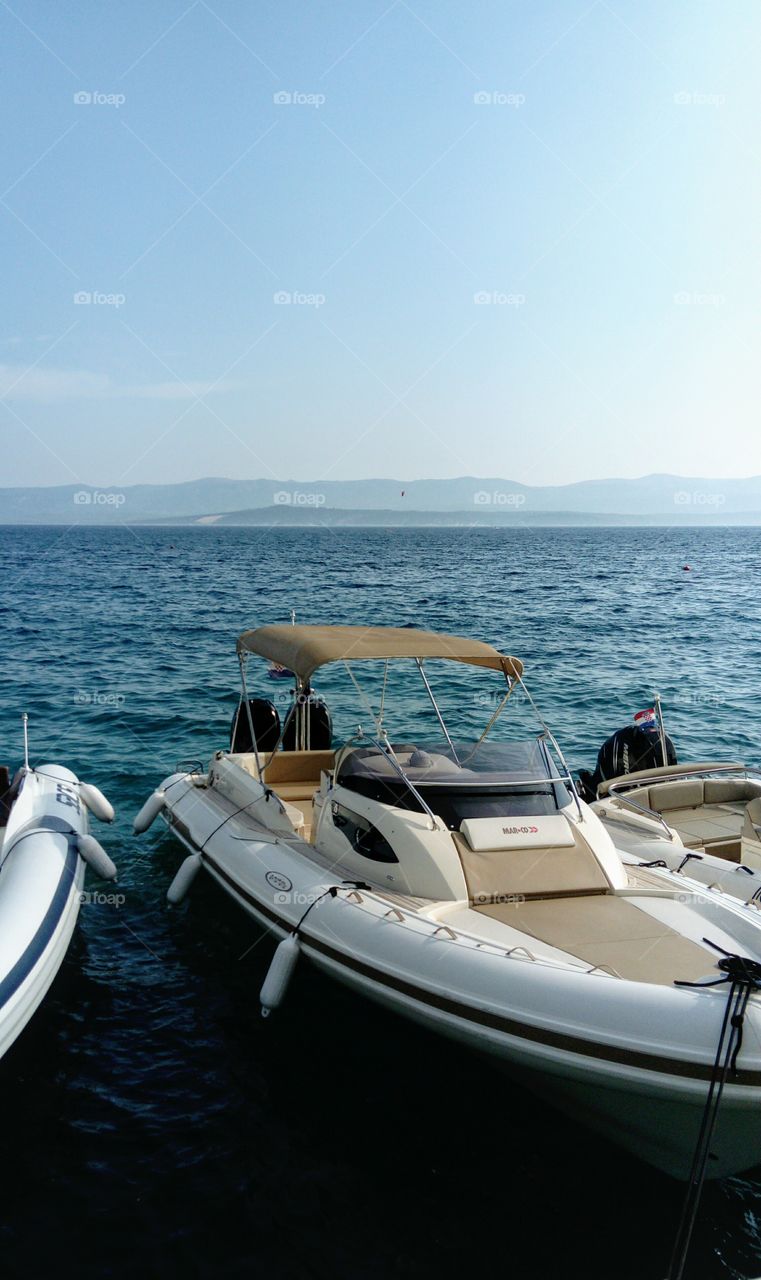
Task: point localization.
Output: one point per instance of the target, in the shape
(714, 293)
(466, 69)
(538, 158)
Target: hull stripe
(33, 952)
(481, 1017)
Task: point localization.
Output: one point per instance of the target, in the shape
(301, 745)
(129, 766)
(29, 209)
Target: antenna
(25, 721)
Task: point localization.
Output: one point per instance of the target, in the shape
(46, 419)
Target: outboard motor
(635, 747)
(310, 723)
(266, 722)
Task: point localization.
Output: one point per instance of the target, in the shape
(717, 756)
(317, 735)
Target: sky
(333, 240)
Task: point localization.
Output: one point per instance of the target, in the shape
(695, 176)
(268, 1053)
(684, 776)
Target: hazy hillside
(667, 497)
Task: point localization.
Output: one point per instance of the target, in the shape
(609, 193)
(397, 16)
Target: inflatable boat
(462, 882)
(44, 849)
(702, 819)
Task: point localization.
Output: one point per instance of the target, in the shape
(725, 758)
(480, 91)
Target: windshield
(463, 764)
(468, 780)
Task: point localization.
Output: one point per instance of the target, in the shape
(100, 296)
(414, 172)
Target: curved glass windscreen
(468, 780)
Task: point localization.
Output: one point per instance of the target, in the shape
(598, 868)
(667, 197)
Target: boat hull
(40, 893)
(613, 1065)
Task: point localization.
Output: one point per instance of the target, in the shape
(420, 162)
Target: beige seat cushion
(605, 930)
(295, 791)
(297, 766)
(727, 790)
(494, 874)
(640, 796)
(676, 795)
(752, 823)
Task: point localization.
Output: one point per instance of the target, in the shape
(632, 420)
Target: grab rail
(673, 772)
(644, 812)
(650, 777)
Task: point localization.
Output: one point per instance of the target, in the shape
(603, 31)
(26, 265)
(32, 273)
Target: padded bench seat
(297, 766)
(611, 932)
(703, 811)
(495, 874)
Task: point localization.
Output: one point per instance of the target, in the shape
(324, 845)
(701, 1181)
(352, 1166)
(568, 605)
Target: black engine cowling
(265, 720)
(626, 751)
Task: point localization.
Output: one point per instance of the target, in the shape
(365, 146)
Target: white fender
(184, 879)
(96, 802)
(279, 974)
(149, 812)
(96, 857)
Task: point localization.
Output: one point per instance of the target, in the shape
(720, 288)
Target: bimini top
(302, 649)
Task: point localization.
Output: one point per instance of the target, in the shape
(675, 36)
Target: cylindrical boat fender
(96, 857)
(96, 802)
(279, 974)
(149, 812)
(184, 879)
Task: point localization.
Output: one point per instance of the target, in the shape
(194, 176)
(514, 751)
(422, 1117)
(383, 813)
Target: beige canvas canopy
(302, 649)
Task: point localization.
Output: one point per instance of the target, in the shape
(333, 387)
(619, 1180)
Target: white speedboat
(465, 885)
(702, 819)
(44, 846)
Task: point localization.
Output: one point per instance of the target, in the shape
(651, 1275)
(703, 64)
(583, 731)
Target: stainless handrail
(676, 771)
(675, 774)
(435, 706)
(567, 777)
(388, 754)
(644, 812)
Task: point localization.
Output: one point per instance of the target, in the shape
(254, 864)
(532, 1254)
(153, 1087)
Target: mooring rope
(744, 977)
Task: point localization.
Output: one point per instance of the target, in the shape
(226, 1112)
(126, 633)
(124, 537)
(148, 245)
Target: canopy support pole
(245, 699)
(435, 705)
(376, 719)
(549, 734)
(495, 717)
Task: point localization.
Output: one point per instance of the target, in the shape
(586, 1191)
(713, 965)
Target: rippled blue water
(150, 1121)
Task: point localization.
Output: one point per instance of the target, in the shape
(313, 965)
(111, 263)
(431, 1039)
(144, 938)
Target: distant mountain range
(654, 499)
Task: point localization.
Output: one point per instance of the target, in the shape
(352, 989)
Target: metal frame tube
(551, 737)
(435, 706)
(244, 698)
(661, 729)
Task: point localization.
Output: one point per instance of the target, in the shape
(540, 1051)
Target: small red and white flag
(646, 719)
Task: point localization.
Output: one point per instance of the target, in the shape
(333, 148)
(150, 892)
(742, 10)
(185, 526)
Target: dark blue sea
(151, 1123)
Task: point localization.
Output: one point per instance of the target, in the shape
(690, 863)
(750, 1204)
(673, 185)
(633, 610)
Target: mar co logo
(519, 831)
(276, 881)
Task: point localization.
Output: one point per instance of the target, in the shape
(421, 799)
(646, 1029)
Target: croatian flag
(646, 720)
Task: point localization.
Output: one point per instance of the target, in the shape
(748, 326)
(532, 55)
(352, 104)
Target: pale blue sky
(605, 201)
